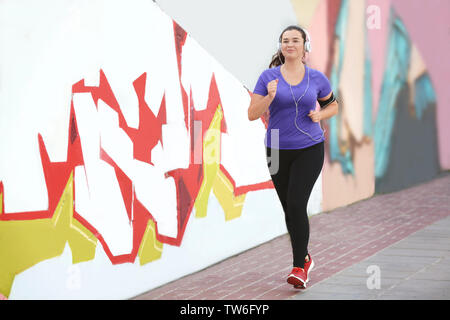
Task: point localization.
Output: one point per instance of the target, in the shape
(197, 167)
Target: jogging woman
(287, 93)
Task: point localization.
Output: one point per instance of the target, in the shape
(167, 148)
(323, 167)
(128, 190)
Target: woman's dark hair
(278, 58)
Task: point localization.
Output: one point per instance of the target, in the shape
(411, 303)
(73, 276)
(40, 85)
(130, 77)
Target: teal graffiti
(395, 77)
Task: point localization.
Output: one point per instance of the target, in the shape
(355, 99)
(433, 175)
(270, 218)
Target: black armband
(330, 100)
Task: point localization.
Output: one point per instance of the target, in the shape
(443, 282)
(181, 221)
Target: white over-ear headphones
(307, 40)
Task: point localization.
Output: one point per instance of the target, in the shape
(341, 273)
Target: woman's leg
(280, 177)
(304, 171)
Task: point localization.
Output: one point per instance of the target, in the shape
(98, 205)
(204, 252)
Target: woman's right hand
(259, 103)
(272, 88)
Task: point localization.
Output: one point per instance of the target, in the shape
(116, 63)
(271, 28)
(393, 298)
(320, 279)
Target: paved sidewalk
(391, 246)
(415, 268)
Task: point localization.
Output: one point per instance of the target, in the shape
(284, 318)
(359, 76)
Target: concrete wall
(128, 160)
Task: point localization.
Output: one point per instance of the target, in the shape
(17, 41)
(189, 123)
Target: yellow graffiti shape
(150, 248)
(25, 243)
(305, 11)
(224, 192)
(213, 178)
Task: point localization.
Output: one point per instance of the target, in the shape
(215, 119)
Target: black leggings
(297, 172)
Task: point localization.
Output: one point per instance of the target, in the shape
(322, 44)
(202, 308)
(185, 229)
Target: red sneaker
(297, 277)
(308, 267)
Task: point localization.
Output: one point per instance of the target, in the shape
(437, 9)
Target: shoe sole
(296, 282)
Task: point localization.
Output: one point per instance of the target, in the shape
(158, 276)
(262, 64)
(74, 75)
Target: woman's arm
(258, 106)
(325, 113)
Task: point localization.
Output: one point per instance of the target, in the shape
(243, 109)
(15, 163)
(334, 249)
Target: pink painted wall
(428, 24)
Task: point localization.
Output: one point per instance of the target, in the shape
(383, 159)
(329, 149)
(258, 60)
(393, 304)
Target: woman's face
(292, 46)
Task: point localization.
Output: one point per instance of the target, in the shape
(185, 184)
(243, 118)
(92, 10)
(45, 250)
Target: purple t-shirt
(282, 109)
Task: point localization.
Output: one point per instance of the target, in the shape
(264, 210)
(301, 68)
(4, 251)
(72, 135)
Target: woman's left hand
(315, 115)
